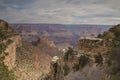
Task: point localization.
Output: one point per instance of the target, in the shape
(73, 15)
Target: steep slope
(112, 57)
(12, 40)
(9, 41)
(12, 44)
(31, 62)
(20, 60)
(76, 65)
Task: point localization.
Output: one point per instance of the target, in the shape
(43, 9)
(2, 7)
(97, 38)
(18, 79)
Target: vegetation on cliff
(5, 74)
(97, 64)
(5, 33)
(113, 60)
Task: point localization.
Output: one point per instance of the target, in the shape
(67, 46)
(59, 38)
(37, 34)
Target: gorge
(40, 53)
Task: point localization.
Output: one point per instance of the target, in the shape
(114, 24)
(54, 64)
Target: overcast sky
(61, 11)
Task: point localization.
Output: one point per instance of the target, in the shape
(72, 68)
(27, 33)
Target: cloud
(61, 11)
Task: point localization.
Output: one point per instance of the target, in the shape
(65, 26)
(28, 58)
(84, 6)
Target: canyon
(63, 35)
(59, 52)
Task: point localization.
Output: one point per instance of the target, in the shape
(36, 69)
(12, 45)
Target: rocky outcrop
(26, 61)
(76, 65)
(94, 45)
(10, 59)
(56, 70)
(11, 40)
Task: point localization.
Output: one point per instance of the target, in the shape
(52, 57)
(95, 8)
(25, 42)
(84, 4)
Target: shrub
(9, 41)
(5, 74)
(115, 77)
(83, 61)
(98, 58)
(66, 70)
(113, 68)
(2, 47)
(76, 67)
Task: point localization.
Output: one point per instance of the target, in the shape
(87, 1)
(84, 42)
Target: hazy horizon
(63, 24)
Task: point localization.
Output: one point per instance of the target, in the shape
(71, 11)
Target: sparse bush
(113, 62)
(2, 47)
(45, 77)
(115, 77)
(75, 67)
(98, 58)
(66, 70)
(5, 34)
(83, 61)
(9, 41)
(5, 74)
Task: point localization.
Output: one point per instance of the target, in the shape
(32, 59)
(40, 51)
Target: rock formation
(11, 40)
(31, 62)
(26, 61)
(94, 45)
(77, 64)
(10, 59)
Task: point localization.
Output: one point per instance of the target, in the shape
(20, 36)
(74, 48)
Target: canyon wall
(10, 59)
(87, 62)
(10, 40)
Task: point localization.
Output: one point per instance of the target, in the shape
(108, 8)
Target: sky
(61, 11)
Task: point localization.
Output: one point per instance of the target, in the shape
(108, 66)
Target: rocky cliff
(21, 59)
(10, 59)
(76, 65)
(31, 62)
(94, 45)
(96, 59)
(11, 40)
(88, 62)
